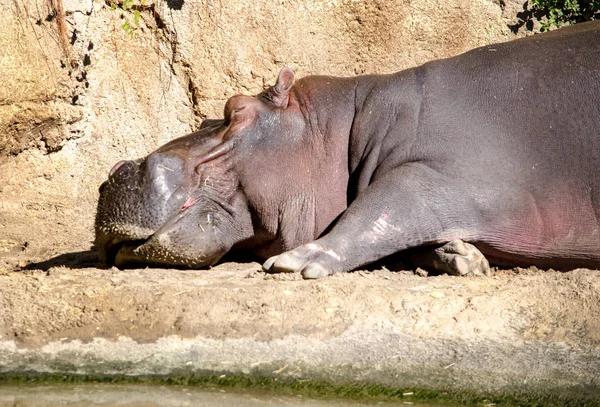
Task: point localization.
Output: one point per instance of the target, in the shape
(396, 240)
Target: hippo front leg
(411, 206)
(312, 260)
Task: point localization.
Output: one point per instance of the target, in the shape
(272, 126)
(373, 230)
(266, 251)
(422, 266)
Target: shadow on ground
(90, 259)
(82, 259)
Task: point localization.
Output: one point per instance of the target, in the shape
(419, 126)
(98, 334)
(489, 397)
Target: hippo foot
(311, 260)
(460, 259)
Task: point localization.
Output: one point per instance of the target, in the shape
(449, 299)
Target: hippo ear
(279, 94)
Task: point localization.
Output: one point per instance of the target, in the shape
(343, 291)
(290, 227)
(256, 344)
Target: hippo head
(182, 205)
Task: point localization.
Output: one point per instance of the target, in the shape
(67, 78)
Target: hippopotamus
(491, 156)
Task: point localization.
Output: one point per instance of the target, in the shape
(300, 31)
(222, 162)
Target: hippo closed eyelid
(206, 123)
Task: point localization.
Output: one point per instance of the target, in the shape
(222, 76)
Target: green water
(139, 395)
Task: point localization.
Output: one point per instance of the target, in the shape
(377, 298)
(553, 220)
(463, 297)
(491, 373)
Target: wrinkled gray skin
(498, 147)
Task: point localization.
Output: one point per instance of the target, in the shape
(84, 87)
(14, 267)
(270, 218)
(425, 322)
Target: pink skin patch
(190, 201)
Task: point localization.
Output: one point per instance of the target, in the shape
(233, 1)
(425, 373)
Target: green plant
(131, 15)
(565, 12)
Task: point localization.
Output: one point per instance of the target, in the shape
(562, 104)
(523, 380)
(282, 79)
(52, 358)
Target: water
(117, 395)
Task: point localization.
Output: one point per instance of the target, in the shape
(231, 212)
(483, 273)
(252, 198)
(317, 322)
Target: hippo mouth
(176, 243)
(113, 247)
(142, 253)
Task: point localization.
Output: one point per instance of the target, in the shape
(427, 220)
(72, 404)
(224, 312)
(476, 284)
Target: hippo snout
(192, 238)
(158, 250)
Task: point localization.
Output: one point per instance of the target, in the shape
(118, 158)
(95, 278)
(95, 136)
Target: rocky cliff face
(86, 83)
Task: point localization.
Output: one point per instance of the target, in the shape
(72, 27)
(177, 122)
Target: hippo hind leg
(456, 258)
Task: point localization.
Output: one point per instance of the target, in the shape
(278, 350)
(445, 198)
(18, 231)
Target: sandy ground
(520, 331)
(72, 296)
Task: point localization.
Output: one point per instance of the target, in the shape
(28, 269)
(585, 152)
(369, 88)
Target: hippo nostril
(116, 167)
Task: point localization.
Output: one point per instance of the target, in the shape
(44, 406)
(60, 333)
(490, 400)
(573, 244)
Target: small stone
(421, 273)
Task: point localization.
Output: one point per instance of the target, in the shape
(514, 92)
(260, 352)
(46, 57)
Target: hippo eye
(102, 186)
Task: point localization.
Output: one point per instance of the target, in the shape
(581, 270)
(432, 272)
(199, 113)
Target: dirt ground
(70, 295)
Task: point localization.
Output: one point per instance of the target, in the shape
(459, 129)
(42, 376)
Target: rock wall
(82, 90)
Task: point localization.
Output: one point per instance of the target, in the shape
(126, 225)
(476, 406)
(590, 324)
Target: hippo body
(498, 147)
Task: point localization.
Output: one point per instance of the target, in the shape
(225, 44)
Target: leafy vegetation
(131, 15)
(564, 12)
